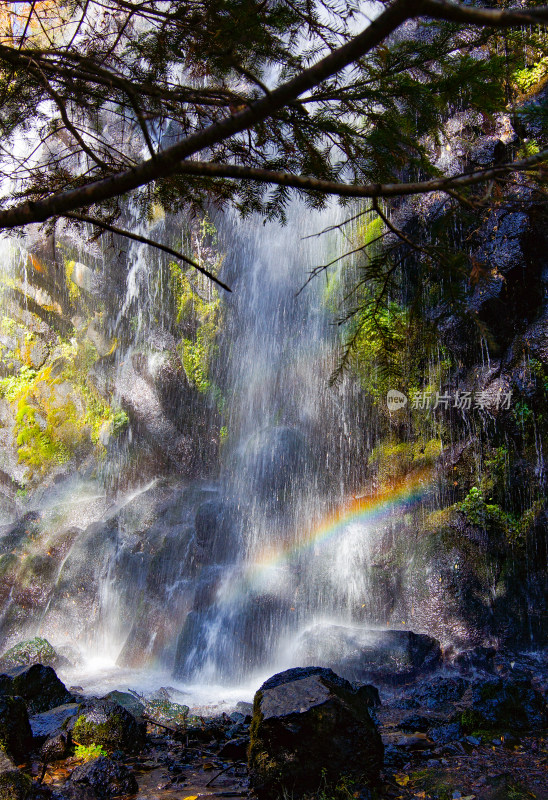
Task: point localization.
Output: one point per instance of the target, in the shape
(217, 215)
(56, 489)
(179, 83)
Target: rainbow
(367, 509)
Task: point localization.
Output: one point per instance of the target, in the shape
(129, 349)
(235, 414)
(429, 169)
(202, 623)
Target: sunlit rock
(309, 729)
(108, 724)
(32, 651)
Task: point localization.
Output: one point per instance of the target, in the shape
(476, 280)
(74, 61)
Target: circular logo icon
(395, 400)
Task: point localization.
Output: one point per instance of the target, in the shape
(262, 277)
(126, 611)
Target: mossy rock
(109, 725)
(14, 784)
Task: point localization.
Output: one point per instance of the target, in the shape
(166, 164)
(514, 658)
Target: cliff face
(92, 377)
(469, 565)
(109, 414)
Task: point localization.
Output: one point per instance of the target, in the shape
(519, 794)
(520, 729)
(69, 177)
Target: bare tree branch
(145, 240)
(209, 169)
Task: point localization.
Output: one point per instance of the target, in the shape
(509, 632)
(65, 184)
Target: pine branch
(166, 163)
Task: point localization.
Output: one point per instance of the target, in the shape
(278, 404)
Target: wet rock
(56, 747)
(217, 539)
(108, 724)
(361, 654)
(243, 642)
(38, 685)
(439, 691)
(38, 351)
(310, 728)
(444, 734)
(105, 777)
(48, 722)
(476, 658)
(274, 459)
(415, 722)
(14, 785)
(368, 693)
(414, 741)
(15, 732)
(88, 279)
(154, 390)
(33, 651)
(246, 709)
(127, 701)
(504, 703)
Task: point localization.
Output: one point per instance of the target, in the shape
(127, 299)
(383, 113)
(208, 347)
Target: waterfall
(289, 435)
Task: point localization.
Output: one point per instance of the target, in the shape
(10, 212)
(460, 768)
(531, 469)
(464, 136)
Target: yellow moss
(392, 460)
(73, 290)
(439, 519)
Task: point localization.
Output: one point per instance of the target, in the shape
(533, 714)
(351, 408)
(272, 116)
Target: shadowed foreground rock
(101, 778)
(15, 732)
(14, 785)
(309, 729)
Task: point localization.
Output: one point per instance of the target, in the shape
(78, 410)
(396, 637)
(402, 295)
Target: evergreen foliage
(97, 101)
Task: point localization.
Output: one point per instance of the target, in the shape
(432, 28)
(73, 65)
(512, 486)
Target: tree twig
(145, 240)
(214, 778)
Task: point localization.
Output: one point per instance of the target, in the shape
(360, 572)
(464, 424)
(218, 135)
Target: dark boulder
(56, 747)
(38, 685)
(105, 778)
(14, 784)
(504, 703)
(476, 658)
(108, 724)
(368, 693)
(234, 749)
(15, 732)
(360, 654)
(439, 692)
(128, 701)
(445, 734)
(310, 728)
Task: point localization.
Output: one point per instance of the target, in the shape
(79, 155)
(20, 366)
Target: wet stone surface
(432, 751)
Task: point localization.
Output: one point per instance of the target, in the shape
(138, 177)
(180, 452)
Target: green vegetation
(394, 459)
(198, 309)
(87, 752)
(57, 412)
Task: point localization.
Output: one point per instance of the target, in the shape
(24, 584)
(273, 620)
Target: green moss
(437, 783)
(107, 734)
(392, 459)
(15, 785)
(530, 77)
(33, 651)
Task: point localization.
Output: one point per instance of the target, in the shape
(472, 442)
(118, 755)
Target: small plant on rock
(87, 752)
